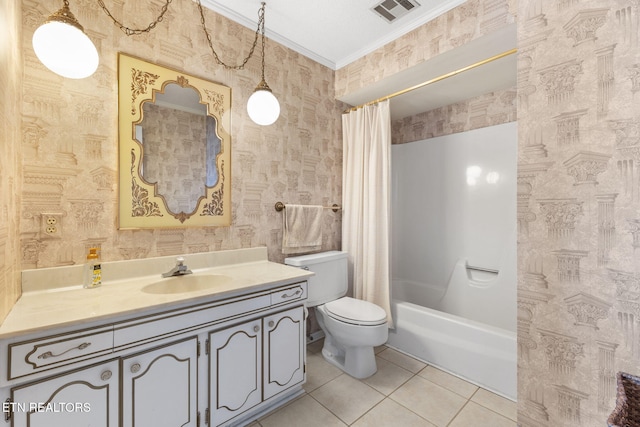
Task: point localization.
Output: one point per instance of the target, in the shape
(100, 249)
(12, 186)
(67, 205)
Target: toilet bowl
(349, 341)
(352, 327)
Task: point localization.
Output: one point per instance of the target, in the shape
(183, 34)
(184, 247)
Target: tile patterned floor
(404, 392)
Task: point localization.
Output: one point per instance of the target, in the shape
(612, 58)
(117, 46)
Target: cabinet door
(88, 397)
(159, 386)
(235, 370)
(284, 350)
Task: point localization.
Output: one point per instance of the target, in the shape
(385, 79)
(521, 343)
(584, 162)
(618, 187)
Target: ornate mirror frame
(140, 204)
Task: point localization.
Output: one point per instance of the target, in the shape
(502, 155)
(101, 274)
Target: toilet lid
(355, 311)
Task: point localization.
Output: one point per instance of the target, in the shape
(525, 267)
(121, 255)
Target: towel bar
(280, 206)
(486, 270)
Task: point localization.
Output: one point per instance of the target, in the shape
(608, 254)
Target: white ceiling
(338, 32)
(331, 32)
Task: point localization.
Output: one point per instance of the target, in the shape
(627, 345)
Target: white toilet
(351, 327)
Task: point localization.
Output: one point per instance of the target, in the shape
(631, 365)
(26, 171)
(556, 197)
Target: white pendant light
(63, 47)
(263, 107)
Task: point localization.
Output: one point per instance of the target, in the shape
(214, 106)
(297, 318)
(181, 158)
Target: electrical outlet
(51, 225)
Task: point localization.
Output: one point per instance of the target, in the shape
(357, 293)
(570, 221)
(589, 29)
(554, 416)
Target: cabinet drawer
(292, 293)
(29, 357)
(169, 324)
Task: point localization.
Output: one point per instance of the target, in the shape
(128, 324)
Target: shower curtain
(366, 134)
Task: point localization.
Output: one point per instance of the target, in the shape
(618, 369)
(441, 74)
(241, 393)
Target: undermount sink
(186, 283)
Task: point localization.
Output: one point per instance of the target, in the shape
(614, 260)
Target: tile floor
(404, 392)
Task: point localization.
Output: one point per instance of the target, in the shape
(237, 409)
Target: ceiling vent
(390, 10)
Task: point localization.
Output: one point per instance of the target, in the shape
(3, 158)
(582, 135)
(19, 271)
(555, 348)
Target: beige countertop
(41, 307)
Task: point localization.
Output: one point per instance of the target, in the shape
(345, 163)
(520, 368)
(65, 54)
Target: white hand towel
(301, 229)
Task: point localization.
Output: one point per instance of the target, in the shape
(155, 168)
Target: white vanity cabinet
(284, 350)
(159, 386)
(255, 361)
(86, 397)
(235, 367)
(216, 361)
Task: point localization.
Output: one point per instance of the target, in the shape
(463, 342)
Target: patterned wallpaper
(490, 109)
(69, 138)
(578, 208)
(10, 183)
(467, 22)
(578, 192)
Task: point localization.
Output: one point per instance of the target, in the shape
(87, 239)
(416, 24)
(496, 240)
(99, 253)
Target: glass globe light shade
(65, 49)
(263, 107)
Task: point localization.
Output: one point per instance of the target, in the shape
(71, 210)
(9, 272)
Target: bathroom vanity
(222, 347)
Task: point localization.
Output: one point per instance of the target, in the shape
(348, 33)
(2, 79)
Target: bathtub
(454, 250)
(480, 353)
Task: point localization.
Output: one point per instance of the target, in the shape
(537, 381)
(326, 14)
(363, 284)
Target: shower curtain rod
(434, 80)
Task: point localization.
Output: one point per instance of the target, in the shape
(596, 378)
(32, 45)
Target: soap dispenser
(92, 270)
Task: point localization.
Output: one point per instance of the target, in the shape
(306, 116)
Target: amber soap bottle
(92, 270)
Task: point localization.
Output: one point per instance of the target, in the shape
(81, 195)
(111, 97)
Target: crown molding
(251, 24)
(409, 25)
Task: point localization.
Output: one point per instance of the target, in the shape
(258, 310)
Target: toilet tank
(330, 281)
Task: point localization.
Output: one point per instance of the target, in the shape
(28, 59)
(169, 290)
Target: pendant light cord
(259, 30)
(134, 31)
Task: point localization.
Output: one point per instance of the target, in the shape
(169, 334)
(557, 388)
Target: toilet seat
(356, 312)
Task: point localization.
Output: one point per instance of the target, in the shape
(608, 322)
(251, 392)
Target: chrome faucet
(179, 270)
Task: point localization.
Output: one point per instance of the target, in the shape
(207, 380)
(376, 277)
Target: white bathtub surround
(366, 201)
(454, 198)
(454, 254)
(470, 292)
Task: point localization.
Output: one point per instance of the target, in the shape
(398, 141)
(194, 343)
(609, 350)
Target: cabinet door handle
(256, 328)
(271, 323)
(135, 368)
(106, 375)
(49, 354)
(295, 294)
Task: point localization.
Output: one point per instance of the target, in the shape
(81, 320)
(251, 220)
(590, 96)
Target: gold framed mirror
(174, 148)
